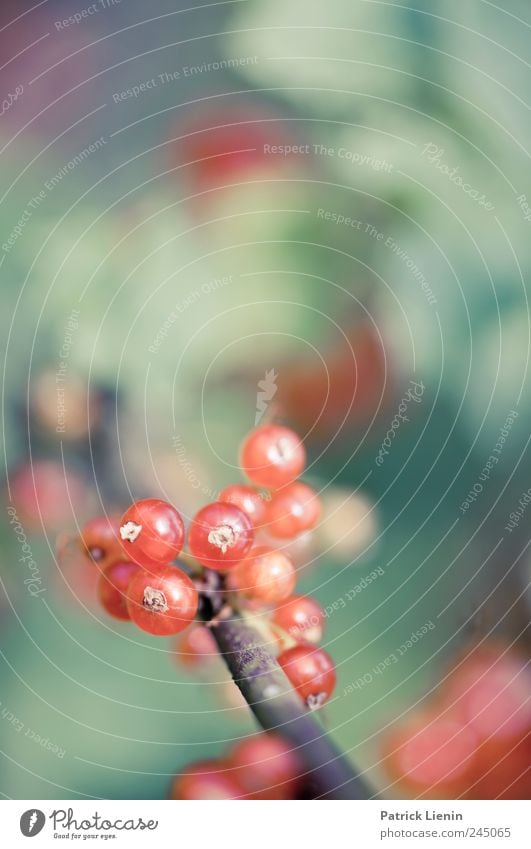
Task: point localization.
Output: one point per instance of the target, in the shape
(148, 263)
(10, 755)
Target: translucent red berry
(302, 617)
(311, 671)
(292, 510)
(247, 498)
(101, 539)
(163, 601)
(220, 535)
(206, 780)
(112, 587)
(431, 755)
(267, 767)
(272, 456)
(265, 575)
(152, 532)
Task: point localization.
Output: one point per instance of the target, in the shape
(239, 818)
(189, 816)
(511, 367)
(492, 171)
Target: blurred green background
(191, 198)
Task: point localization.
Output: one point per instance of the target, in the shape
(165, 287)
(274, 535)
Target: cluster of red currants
(260, 767)
(474, 739)
(234, 545)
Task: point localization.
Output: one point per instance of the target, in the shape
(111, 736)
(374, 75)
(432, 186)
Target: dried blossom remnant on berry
(130, 531)
(317, 701)
(223, 537)
(155, 600)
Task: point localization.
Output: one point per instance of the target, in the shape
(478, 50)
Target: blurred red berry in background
(431, 756)
(196, 648)
(47, 496)
(490, 692)
(322, 399)
(267, 767)
(206, 780)
(219, 147)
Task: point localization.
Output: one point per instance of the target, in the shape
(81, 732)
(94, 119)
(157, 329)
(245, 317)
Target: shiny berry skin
(301, 617)
(152, 532)
(265, 575)
(272, 456)
(311, 672)
(101, 539)
(266, 767)
(431, 756)
(206, 780)
(112, 587)
(220, 536)
(196, 647)
(292, 510)
(163, 601)
(247, 498)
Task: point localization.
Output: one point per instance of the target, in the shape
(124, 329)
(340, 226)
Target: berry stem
(278, 708)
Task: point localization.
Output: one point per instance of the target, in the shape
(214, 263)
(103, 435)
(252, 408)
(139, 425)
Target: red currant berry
(248, 499)
(196, 647)
(432, 756)
(272, 456)
(266, 575)
(311, 671)
(301, 617)
(266, 767)
(101, 539)
(112, 587)
(220, 535)
(162, 602)
(152, 532)
(206, 780)
(292, 510)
